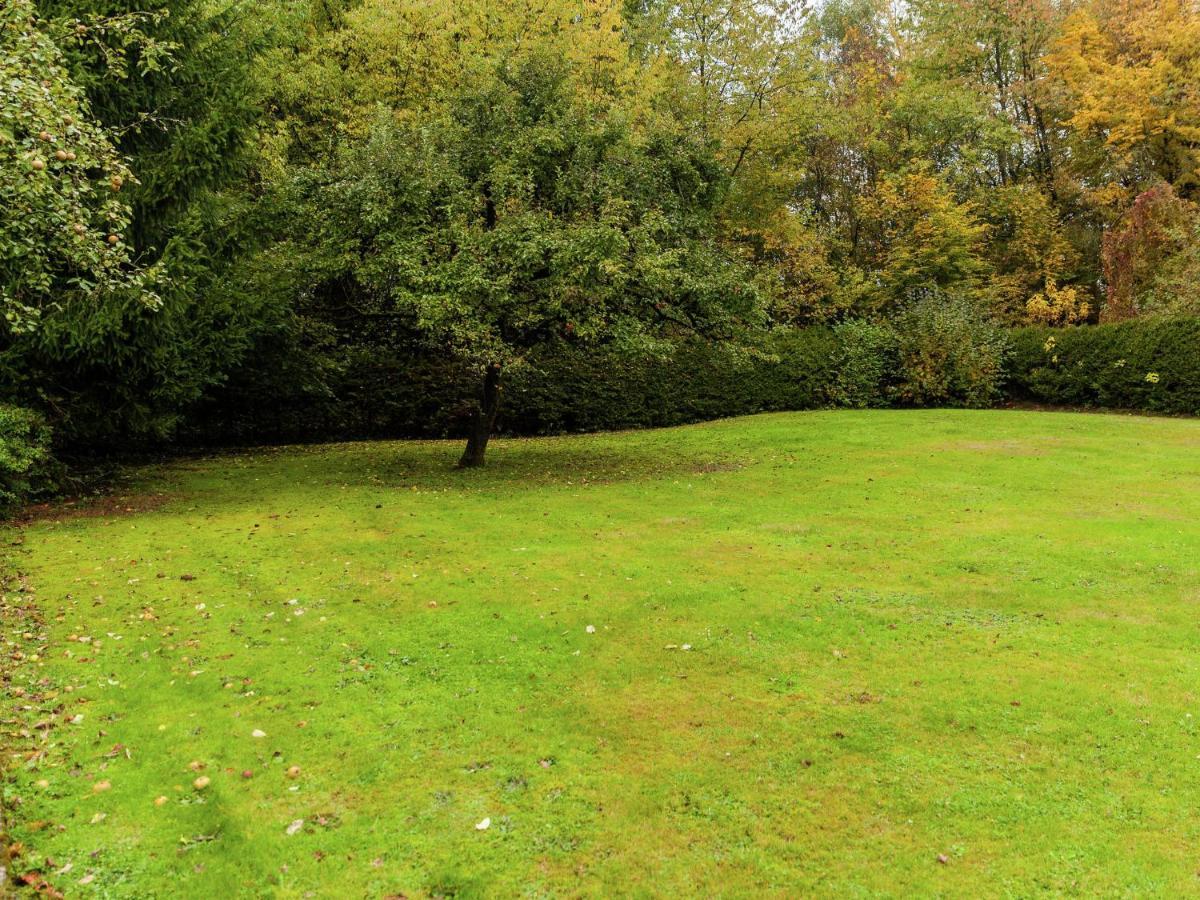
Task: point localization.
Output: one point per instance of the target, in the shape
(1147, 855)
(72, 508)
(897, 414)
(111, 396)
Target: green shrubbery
(937, 351)
(557, 389)
(25, 461)
(948, 355)
(1152, 365)
(868, 355)
(587, 392)
(928, 356)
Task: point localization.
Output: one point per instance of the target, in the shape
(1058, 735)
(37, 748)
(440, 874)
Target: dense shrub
(949, 355)
(938, 351)
(867, 364)
(577, 391)
(25, 461)
(1152, 365)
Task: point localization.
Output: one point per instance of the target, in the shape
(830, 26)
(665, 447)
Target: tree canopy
(305, 183)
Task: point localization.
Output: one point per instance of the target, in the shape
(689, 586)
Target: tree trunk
(483, 419)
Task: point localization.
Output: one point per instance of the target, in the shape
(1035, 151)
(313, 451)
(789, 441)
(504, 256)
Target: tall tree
(172, 79)
(995, 50)
(166, 88)
(1130, 71)
(922, 239)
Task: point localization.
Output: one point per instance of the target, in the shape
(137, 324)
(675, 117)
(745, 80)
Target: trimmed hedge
(374, 393)
(1143, 364)
(566, 390)
(579, 391)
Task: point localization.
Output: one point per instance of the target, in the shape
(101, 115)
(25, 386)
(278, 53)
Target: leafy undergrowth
(825, 653)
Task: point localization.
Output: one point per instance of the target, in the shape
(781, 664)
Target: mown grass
(828, 649)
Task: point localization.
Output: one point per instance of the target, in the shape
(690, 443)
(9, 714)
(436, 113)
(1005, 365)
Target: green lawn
(828, 649)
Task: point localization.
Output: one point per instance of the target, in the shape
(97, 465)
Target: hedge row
(572, 390)
(939, 359)
(942, 359)
(1150, 365)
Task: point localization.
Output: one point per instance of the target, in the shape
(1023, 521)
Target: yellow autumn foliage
(1057, 306)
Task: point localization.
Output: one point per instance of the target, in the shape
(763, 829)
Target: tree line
(211, 198)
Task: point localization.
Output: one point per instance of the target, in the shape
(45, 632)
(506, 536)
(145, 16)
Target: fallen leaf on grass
(294, 827)
(187, 843)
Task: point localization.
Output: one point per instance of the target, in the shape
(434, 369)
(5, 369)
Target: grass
(828, 649)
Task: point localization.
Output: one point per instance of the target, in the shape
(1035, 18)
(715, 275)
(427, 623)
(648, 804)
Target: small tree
(522, 217)
(921, 238)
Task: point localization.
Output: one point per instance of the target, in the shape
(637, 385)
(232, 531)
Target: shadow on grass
(534, 462)
(267, 475)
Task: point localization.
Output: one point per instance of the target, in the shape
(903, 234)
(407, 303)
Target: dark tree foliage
(172, 79)
(169, 83)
